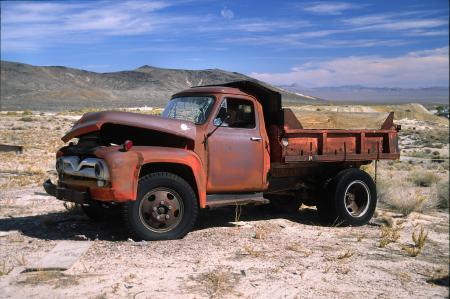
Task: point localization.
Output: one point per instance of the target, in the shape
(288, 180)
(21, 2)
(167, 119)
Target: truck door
(236, 149)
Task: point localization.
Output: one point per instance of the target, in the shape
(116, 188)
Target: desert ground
(251, 252)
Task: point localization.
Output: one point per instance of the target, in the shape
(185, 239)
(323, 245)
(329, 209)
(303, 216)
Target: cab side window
(241, 113)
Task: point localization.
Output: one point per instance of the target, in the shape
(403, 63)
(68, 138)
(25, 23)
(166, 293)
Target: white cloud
(329, 8)
(227, 13)
(396, 22)
(33, 25)
(415, 69)
(259, 25)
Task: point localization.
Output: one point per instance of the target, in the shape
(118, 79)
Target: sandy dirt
(267, 255)
(262, 255)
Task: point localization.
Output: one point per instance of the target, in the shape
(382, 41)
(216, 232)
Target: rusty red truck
(216, 145)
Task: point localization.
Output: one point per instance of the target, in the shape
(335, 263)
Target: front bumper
(66, 194)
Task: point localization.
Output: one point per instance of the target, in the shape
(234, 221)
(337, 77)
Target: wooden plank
(11, 148)
(61, 257)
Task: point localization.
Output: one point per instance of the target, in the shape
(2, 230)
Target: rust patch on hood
(93, 121)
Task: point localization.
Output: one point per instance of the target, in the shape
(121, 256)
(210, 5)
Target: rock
(81, 237)
(8, 233)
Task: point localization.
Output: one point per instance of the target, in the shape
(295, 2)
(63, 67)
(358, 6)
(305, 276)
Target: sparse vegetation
(419, 241)
(442, 194)
(218, 282)
(389, 234)
(252, 252)
(298, 248)
(423, 178)
(4, 268)
(404, 197)
(347, 254)
(55, 278)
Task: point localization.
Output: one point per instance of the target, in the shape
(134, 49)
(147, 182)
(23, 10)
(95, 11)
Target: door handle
(255, 138)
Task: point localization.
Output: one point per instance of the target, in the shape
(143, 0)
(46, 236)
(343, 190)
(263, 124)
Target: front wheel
(351, 199)
(165, 208)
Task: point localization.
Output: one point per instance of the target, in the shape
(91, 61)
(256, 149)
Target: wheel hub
(357, 199)
(161, 209)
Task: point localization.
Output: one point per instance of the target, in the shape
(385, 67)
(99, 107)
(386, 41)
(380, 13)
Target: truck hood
(93, 121)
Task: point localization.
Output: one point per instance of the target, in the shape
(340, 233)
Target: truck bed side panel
(339, 145)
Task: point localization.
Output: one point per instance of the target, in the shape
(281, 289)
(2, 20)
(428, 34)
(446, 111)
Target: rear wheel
(165, 208)
(350, 199)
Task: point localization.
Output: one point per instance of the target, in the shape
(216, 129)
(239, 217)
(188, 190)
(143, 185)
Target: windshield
(195, 109)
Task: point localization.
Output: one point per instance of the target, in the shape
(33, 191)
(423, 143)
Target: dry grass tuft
(260, 233)
(300, 249)
(72, 207)
(439, 277)
(419, 242)
(360, 237)
(237, 213)
(423, 178)
(4, 269)
(389, 234)
(442, 194)
(404, 197)
(21, 260)
(55, 278)
(252, 252)
(218, 282)
(347, 254)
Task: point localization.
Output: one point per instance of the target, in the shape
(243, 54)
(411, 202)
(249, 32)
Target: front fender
(125, 167)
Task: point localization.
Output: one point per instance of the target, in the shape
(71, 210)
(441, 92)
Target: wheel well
(181, 170)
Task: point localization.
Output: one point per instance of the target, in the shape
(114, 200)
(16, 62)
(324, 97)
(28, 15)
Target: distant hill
(25, 86)
(380, 95)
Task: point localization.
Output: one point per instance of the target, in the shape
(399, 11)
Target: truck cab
(215, 145)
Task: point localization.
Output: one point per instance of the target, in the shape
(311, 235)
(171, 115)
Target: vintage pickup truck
(216, 145)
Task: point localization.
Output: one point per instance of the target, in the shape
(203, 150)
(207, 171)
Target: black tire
(181, 208)
(351, 199)
(101, 211)
(325, 204)
(285, 204)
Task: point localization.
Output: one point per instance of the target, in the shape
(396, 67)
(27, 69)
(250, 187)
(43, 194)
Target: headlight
(98, 170)
(59, 165)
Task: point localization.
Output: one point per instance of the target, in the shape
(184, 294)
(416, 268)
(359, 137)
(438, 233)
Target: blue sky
(402, 43)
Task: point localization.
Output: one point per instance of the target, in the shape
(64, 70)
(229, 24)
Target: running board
(219, 200)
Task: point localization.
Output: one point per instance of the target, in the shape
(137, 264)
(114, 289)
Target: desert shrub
(11, 113)
(442, 194)
(369, 168)
(27, 112)
(419, 241)
(404, 197)
(423, 178)
(27, 119)
(401, 165)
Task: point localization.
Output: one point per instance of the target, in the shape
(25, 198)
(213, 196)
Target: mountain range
(56, 88)
(375, 95)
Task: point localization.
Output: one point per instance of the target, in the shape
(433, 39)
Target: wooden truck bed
(333, 145)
